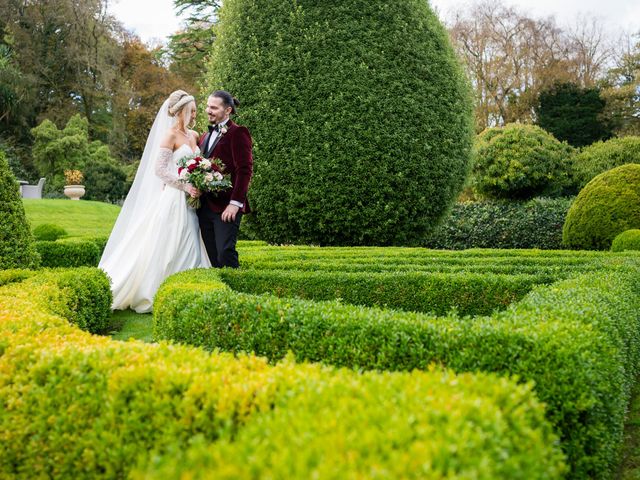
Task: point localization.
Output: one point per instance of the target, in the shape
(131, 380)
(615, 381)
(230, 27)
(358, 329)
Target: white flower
(223, 130)
(183, 173)
(218, 175)
(206, 164)
(208, 177)
(191, 162)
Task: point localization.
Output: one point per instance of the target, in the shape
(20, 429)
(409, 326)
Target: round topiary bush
(360, 112)
(520, 162)
(16, 243)
(602, 156)
(607, 206)
(49, 232)
(627, 240)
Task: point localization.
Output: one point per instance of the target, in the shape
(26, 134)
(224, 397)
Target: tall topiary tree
(360, 113)
(16, 243)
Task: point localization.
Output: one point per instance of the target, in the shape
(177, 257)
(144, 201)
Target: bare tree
(511, 58)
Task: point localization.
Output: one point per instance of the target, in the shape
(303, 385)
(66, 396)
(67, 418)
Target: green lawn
(79, 218)
(126, 324)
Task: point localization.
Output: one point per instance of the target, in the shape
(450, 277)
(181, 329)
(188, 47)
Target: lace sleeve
(165, 156)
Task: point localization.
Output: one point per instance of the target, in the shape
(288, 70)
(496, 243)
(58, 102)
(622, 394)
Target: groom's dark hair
(228, 100)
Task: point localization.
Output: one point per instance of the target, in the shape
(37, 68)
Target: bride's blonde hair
(177, 101)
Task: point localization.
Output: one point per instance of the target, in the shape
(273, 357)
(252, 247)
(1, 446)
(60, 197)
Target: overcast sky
(154, 20)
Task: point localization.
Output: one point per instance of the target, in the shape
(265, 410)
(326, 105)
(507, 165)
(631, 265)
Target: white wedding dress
(156, 234)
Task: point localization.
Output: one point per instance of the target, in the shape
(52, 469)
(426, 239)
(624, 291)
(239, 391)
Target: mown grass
(80, 219)
(126, 324)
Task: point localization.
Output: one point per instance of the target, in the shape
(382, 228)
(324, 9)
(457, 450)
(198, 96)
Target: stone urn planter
(74, 192)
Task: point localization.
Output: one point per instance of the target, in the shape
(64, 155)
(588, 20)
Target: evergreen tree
(360, 113)
(573, 114)
(16, 242)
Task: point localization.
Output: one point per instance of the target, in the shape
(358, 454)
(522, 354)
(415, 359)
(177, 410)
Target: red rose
(180, 170)
(191, 168)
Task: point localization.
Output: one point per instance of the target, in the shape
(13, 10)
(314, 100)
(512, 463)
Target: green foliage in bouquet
(16, 241)
(627, 240)
(360, 112)
(520, 162)
(607, 206)
(602, 156)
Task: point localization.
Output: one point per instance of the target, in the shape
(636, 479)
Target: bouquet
(206, 175)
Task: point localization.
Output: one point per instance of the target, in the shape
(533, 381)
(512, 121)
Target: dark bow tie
(214, 128)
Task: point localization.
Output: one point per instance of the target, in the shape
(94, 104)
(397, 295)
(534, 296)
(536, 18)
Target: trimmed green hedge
(69, 252)
(361, 114)
(607, 206)
(577, 339)
(599, 157)
(84, 407)
(520, 162)
(502, 224)
(468, 293)
(16, 240)
(49, 232)
(627, 240)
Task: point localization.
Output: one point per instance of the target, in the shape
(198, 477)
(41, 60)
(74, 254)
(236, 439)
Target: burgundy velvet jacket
(234, 150)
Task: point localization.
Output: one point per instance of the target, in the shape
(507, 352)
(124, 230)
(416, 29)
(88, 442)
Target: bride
(156, 233)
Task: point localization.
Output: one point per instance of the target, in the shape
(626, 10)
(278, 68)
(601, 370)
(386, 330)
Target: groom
(220, 214)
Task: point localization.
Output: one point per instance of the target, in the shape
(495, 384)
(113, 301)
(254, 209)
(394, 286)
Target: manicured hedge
(360, 111)
(81, 406)
(468, 293)
(602, 156)
(627, 240)
(16, 241)
(520, 162)
(70, 252)
(502, 224)
(606, 207)
(49, 232)
(15, 275)
(577, 339)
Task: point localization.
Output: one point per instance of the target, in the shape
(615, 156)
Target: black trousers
(219, 238)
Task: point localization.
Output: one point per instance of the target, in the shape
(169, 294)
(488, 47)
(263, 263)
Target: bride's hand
(193, 191)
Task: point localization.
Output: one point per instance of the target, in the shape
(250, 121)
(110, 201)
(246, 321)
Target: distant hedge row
(469, 293)
(81, 406)
(577, 339)
(502, 224)
(71, 252)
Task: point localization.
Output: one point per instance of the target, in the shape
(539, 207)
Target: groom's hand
(229, 214)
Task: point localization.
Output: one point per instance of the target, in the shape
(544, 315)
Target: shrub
(468, 293)
(607, 206)
(16, 241)
(577, 340)
(49, 232)
(502, 224)
(573, 114)
(361, 116)
(627, 240)
(520, 162)
(84, 407)
(105, 181)
(71, 252)
(602, 156)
